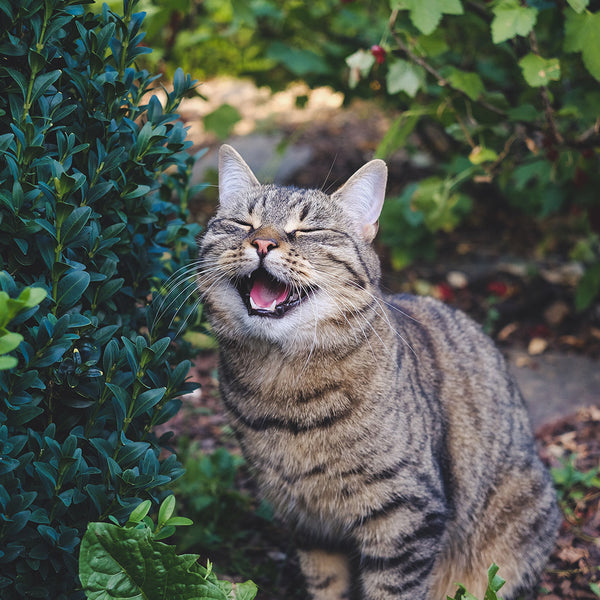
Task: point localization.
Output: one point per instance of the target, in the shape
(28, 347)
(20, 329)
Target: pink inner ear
(264, 291)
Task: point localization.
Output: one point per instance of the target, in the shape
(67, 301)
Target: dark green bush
(90, 163)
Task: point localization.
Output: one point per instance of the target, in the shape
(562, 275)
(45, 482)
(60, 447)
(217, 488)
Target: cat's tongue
(267, 293)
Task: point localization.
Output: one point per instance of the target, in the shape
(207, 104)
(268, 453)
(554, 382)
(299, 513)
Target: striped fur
(386, 431)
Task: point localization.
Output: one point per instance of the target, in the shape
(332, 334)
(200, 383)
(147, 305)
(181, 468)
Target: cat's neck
(333, 355)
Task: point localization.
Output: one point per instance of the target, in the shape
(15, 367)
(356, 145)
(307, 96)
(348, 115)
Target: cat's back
(495, 473)
(449, 355)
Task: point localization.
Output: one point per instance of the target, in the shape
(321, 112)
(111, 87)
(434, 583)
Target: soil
(492, 267)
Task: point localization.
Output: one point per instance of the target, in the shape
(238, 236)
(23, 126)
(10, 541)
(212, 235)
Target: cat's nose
(263, 246)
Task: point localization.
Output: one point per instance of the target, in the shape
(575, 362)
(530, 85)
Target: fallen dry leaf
(573, 555)
(537, 346)
(507, 331)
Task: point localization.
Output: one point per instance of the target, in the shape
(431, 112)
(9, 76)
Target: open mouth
(267, 296)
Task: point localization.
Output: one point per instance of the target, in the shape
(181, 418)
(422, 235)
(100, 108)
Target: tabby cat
(386, 431)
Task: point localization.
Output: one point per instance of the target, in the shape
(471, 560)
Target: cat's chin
(266, 296)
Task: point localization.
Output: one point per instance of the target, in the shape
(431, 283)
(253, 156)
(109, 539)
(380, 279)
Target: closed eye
(306, 230)
(243, 224)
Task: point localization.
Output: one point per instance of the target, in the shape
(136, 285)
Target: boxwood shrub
(94, 174)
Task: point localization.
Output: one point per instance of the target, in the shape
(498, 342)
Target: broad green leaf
(426, 14)
(582, 35)
(122, 564)
(539, 71)
(403, 76)
(512, 19)
(469, 83)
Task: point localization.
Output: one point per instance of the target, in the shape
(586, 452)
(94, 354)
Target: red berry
(379, 53)
(498, 288)
(444, 292)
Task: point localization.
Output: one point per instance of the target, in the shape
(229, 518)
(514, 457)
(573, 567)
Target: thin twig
(548, 110)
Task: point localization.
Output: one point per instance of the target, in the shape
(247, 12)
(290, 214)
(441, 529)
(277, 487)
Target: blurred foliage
(272, 41)
(208, 492)
(94, 177)
(509, 90)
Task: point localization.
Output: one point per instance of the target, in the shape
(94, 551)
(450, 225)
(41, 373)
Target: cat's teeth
(269, 308)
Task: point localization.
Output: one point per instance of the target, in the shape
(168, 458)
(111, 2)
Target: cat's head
(290, 266)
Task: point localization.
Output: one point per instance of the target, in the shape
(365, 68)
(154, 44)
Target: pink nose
(263, 246)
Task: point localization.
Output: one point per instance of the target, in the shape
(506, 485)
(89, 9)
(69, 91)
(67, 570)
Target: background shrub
(90, 164)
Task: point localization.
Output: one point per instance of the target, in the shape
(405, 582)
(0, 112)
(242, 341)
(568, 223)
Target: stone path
(555, 384)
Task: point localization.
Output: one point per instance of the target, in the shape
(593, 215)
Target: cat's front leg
(399, 552)
(327, 574)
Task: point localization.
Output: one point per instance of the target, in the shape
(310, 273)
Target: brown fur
(386, 431)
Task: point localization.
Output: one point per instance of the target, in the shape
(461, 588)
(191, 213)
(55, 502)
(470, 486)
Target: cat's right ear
(235, 176)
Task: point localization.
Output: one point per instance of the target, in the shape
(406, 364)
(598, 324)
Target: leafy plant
(273, 41)
(93, 182)
(573, 485)
(125, 562)
(508, 88)
(208, 492)
(495, 583)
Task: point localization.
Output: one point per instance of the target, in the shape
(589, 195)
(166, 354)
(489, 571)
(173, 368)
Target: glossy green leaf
(9, 341)
(42, 83)
(71, 287)
(167, 508)
(147, 400)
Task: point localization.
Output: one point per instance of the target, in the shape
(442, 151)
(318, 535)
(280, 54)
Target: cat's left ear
(362, 197)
